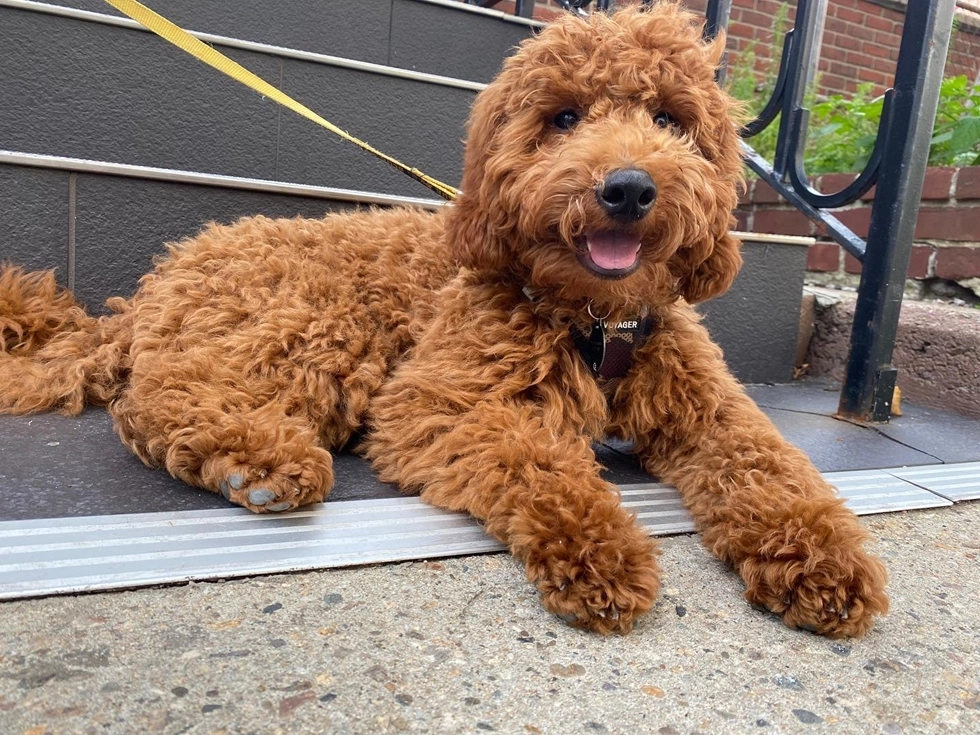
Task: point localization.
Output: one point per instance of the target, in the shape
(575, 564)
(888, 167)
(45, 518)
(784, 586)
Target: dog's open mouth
(610, 253)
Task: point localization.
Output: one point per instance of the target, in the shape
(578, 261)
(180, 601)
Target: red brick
(948, 223)
(879, 24)
(888, 39)
(833, 84)
(838, 26)
(968, 183)
(885, 66)
(850, 15)
(833, 53)
(857, 219)
(832, 183)
(769, 7)
(741, 30)
(823, 257)
(958, 263)
(765, 194)
(781, 222)
(745, 198)
(759, 20)
(937, 183)
(851, 264)
(742, 220)
(919, 261)
(847, 41)
(875, 77)
(873, 49)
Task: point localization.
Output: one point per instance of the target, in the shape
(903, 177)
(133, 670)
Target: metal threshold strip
(67, 555)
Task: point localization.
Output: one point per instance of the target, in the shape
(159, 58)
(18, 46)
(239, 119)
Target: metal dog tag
(593, 345)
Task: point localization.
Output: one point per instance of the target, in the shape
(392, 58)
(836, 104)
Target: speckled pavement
(463, 646)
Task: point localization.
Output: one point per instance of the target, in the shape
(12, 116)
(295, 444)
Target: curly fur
(254, 350)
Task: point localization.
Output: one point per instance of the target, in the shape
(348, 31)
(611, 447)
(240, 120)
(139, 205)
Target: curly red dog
(601, 169)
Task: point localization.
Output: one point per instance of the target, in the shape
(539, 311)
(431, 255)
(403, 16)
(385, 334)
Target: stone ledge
(937, 351)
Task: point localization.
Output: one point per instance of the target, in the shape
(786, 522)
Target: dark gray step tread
(449, 39)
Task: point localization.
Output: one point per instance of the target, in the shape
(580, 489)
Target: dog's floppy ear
(476, 239)
(707, 268)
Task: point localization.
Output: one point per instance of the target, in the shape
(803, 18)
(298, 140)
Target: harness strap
(608, 351)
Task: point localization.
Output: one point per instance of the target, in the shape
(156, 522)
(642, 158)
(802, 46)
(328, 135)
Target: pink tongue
(612, 250)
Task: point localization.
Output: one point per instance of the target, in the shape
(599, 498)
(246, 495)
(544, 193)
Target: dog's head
(602, 163)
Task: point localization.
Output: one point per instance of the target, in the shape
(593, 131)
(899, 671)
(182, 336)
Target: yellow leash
(200, 50)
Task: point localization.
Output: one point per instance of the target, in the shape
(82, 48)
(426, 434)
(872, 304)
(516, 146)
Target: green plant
(956, 137)
(842, 132)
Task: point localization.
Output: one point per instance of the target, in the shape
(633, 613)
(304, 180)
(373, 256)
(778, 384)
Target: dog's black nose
(627, 195)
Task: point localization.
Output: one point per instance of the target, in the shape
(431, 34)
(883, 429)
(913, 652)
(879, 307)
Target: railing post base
(882, 396)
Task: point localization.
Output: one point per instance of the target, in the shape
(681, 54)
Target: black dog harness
(608, 349)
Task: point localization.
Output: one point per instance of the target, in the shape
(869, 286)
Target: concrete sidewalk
(463, 645)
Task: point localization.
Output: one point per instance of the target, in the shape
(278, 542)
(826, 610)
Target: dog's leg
(538, 490)
(759, 502)
(223, 434)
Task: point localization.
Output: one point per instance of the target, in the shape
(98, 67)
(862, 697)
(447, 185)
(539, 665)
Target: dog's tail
(53, 354)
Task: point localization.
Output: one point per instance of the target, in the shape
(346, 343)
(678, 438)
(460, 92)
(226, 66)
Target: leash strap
(201, 51)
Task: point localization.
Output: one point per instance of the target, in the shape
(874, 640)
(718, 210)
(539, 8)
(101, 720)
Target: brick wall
(947, 233)
(860, 44)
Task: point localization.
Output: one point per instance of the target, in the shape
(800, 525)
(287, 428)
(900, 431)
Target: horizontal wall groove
(80, 165)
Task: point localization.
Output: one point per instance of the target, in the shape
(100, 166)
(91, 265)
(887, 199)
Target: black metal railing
(525, 8)
(897, 166)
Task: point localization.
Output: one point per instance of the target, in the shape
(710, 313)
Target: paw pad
(260, 496)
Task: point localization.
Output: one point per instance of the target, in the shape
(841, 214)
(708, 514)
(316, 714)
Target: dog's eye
(664, 120)
(566, 119)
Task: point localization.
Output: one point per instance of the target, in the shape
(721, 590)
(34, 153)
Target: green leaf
(965, 136)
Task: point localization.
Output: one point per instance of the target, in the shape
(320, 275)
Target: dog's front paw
(603, 585)
(832, 587)
(271, 490)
